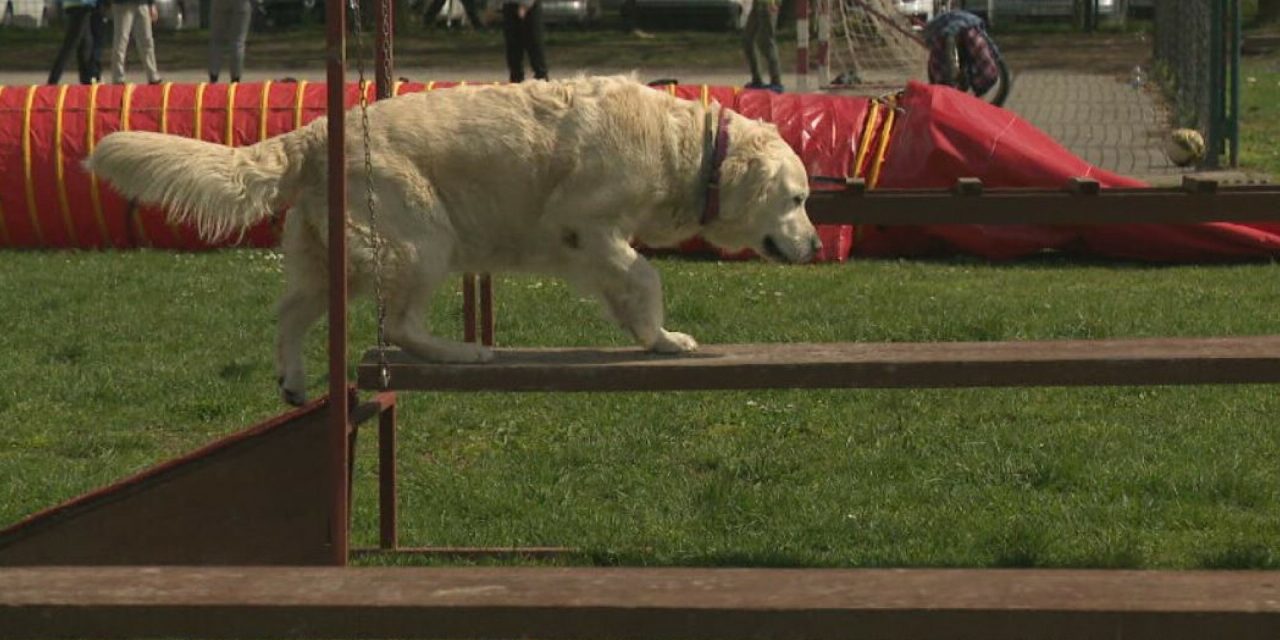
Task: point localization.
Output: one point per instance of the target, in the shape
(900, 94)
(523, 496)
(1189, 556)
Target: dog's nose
(815, 245)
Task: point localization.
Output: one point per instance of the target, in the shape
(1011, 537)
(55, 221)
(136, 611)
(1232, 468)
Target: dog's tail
(220, 189)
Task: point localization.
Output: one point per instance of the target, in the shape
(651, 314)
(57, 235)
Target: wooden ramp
(649, 604)
(1156, 361)
(260, 496)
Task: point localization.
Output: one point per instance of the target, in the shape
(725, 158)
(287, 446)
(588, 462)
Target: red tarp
(936, 136)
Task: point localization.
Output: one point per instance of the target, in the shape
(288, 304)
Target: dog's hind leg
(298, 309)
(407, 300)
(305, 301)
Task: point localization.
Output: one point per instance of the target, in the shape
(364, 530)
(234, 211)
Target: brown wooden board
(1191, 204)
(1155, 361)
(255, 497)
(554, 603)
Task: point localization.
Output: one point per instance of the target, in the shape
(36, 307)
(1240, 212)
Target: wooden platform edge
(573, 603)
(870, 365)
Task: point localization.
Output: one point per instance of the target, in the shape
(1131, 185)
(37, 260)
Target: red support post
(339, 407)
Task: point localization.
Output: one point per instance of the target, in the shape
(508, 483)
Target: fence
(1197, 45)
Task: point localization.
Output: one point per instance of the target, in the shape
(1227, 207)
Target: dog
(558, 178)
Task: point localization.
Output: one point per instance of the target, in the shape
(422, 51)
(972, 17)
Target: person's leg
(769, 43)
(536, 41)
(75, 17)
(146, 43)
(433, 11)
(219, 19)
(749, 33)
(473, 14)
(122, 24)
(513, 37)
(95, 36)
(241, 17)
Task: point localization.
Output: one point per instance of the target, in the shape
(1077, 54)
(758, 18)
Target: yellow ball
(1184, 147)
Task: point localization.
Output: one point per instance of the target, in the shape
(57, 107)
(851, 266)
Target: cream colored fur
(550, 177)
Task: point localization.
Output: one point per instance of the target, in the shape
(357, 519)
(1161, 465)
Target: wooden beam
(572, 603)
(1199, 201)
(1156, 361)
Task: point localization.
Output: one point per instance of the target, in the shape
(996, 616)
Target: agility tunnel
(925, 137)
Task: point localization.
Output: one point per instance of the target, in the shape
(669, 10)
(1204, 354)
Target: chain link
(1183, 52)
(379, 244)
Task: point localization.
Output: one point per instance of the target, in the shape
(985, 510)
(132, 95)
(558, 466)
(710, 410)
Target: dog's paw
(674, 342)
(294, 397)
(467, 353)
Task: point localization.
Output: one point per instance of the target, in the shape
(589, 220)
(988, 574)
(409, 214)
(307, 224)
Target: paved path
(1103, 120)
(1098, 117)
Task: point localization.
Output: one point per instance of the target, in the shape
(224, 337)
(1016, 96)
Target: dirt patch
(1111, 53)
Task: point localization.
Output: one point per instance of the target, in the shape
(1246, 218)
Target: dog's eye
(799, 200)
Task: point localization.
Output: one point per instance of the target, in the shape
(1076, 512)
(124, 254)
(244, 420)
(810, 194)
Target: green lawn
(1260, 114)
(115, 361)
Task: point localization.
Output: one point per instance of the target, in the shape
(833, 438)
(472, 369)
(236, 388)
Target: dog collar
(716, 142)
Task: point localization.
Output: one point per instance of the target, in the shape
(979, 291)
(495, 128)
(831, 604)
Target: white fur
(550, 177)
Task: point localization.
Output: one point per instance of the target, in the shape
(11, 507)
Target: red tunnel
(930, 137)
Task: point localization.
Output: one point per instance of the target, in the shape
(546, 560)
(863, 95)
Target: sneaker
(775, 87)
(755, 84)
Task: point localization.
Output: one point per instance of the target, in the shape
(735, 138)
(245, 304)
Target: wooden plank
(571, 603)
(1046, 206)
(1156, 361)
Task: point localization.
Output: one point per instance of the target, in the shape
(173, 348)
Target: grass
(1260, 113)
(115, 361)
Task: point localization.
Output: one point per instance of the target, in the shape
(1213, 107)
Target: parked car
(1032, 8)
(726, 14)
(27, 14)
(171, 15)
(570, 12)
(176, 15)
(918, 11)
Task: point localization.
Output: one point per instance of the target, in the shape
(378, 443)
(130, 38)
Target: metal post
(384, 16)
(802, 45)
(824, 43)
(1233, 120)
(388, 539)
(1217, 84)
(469, 307)
(486, 310)
(339, 406)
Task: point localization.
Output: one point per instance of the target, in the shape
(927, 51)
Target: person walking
(522, 31)
(761, 33)
(229, 22)
(86, 24)
(133, 18)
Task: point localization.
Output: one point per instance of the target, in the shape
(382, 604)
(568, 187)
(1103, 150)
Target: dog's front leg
(632, 292)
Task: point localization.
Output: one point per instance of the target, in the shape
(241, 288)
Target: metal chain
(379, 244)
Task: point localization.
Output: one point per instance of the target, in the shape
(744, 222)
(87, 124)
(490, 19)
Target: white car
(730, 14)
(919, 11)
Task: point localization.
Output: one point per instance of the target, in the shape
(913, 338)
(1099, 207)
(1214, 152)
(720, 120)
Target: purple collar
(718, 143)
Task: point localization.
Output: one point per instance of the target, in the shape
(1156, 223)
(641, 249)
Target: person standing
(85, 25)
(761, 33)
(229, 22)
(133, 18)
(523, 33)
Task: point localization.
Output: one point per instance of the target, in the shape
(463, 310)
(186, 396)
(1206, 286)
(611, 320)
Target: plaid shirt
(979, 56)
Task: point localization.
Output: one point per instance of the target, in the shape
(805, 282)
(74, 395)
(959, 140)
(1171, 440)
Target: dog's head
(764, 186)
